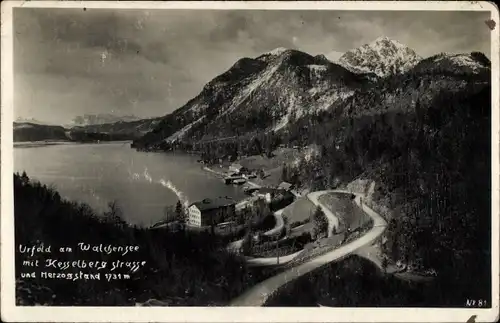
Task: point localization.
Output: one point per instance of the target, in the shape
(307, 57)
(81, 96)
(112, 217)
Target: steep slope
(469, 64)
(258, 94)
(382, 57)
(443, 73)
(424, 138)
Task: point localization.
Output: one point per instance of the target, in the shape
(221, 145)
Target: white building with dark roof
(211, 212)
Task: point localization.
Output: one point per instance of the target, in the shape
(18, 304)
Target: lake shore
(43, 143)
(97, 174)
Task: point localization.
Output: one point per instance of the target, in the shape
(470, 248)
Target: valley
(410, 136)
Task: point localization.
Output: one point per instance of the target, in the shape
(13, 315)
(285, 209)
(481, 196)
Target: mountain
(423, 83)
(25, 131)
(469, 64)
(382, 57)
(421, 142)
(102, 118)
(271, 93)
(33, 130)
(30, 120)
(258, 94)
(134, 129)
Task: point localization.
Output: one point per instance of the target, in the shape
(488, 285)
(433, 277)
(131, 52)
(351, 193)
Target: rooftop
(285, 185)
(265, 190)
(210, 204)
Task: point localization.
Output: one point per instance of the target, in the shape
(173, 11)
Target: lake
(139, 182)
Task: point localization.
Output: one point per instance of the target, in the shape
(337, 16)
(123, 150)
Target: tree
(319, 222)
(284, 173)
(114, 215)
(385, 263)
(24, 177)
(169, 213)
(247, 243)
(180, 213)
(261, 210)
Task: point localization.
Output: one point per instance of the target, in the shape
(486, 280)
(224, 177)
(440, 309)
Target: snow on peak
(462, 60)
(385, 41)
(273, 54)
(277, 51)
(383, 56)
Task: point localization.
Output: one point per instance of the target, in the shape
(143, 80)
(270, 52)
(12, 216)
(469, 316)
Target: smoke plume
(168, 184)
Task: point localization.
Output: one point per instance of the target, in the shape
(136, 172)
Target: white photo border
(10, 312)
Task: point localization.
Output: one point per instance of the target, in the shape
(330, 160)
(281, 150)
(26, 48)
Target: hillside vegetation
(431, 163)
(421, 130)
(181, 268)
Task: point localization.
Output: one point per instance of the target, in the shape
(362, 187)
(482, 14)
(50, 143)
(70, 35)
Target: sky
(70, 62)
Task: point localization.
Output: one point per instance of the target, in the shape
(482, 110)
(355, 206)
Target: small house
(268, 194)
(237, 168)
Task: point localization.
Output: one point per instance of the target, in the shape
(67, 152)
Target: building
(268, 194)
(211, 212)
(276, 198)
(231, 178)
(237, 168)
(285, 186)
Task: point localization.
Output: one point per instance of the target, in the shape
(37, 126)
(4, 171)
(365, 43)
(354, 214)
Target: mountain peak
(383, 56)
(272, 54)
(277, 51)
(384, 40)
(474, 63)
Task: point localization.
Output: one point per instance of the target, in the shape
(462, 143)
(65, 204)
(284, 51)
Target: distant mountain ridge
(30, 120)
(28, 131)
(102, 118)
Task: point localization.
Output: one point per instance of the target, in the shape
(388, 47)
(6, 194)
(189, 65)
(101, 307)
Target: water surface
(99, 173)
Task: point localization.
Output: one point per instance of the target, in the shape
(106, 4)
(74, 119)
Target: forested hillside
(430, 158)
(420, 131)
(180, 269)
(37, 132)
(33, 132)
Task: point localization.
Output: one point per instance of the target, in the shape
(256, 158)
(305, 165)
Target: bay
(141, 183)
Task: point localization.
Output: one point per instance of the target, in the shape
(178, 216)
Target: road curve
(333, 221)
(236, 245)
(279, 224)
(257, 295)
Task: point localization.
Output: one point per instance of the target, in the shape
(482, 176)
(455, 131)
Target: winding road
(258, 294)
(236, 245)
(333, 221)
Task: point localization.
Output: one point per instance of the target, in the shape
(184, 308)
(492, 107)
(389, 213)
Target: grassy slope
(301, 210)
(350, 215)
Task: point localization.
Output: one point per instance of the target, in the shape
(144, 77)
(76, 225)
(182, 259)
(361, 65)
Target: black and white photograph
(251, 157)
